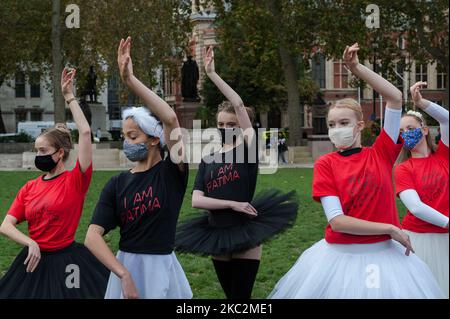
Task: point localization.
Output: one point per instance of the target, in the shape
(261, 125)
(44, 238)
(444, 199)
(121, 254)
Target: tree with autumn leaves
(270, 43)
(264, 45)
(34, 37)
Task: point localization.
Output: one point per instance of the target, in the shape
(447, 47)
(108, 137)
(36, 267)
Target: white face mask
(342, 137)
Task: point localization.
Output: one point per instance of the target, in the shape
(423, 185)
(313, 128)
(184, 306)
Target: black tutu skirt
(56, 276)
(276, 212)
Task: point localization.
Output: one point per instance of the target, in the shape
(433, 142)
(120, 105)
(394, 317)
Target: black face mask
(45, 163)
(235, 132)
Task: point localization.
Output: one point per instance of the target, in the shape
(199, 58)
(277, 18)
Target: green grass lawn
(278, 255)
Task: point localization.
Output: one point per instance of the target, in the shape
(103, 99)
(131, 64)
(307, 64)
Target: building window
(132, 99)
(168, 87)
(36, 115)
(35, 85)
(318, 69)
(113, 97)
(21, 115)
(69, 116)
(20, 84)
(401, 43)
(320, 125)
(441, 77)
(340, 75)
(399, 76)
(421, 73)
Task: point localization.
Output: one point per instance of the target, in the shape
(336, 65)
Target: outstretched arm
(156, 105)
(390, 93)
(96, 244)
(9, 229)
(342, 223)
(84, 130)
(230, 94)
(436, 111)
(421, 210)
(199, 200)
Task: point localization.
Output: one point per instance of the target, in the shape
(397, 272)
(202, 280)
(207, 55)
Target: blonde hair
(348, 103)
(227, 107)
(59, 137)
(405, 154)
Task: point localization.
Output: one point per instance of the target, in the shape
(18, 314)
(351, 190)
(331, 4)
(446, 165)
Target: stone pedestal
(319, 145)
(99, 116)
(186, 114)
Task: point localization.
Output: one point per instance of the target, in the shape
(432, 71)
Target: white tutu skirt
(357, 271)
(155, 277)
(433, 248)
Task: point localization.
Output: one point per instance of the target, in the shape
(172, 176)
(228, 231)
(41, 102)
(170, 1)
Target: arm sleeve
(199, 184)
(331, 206)
(105, 210)
(174, 172)
(391, 124)
(441, 115)
(323, 180)
(17, 208)
(403, 178)
(385, 148)
(81, 180)
(412, 201)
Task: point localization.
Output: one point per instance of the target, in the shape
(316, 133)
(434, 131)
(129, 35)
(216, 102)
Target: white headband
(146, 121)
(416, 114)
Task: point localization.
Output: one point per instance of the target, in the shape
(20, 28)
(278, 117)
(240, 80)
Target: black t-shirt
(229, 176)
(145, 205)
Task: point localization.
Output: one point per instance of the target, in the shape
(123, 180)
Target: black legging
(237, 276)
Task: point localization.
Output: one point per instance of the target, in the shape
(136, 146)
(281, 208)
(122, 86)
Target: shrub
(22, 137)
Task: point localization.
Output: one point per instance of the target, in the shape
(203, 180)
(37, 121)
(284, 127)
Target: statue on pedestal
(308, 116)
(91, 85)
(189, 80)
(86, 110)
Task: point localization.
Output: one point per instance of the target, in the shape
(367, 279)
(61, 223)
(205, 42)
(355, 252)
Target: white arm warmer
(412, 201)
(391, 124)
(332, 206)
(441, 115)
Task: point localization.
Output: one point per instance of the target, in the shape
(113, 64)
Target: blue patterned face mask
(135, 152)
(412, 138)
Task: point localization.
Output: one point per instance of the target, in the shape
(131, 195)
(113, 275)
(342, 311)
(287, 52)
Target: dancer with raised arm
(365, 254)
(236, 224)
(421, 182)
(52, 205)
(143, 202)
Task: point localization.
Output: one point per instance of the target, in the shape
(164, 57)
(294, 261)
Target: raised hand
(350, 56)
(124, 59)
(67, 77)
(208, 57)
(416, 96)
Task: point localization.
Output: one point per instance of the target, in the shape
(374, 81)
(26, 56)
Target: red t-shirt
(363, 183)
(52, 207)
(428, 176)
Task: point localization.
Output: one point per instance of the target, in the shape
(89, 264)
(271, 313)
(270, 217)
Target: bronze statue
(91, 85)
(189, 79)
